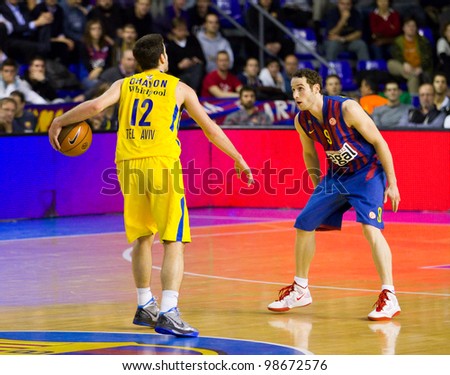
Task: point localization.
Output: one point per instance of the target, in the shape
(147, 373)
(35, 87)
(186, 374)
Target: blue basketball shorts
(335, 194)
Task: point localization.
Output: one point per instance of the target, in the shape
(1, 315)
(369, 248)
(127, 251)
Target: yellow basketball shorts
(154, 200)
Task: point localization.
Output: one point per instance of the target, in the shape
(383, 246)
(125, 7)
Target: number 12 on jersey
(141, 111)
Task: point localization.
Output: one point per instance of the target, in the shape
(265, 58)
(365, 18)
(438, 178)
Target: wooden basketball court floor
(74, 275)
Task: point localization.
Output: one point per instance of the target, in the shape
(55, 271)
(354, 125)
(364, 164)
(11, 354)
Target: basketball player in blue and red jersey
(360, 175)
(150, 175)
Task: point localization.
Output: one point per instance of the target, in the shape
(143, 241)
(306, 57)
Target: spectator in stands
(333, 85)
(297, 13)
(389, 115)
(435, 12)
(369, 95)
(290, 67)
(443, 50)
(10, 82)
(250, 74)
(273, 82)
(107, 120)
(96, 53)
(441, 100)
(212, 42)
(74, 19)
(36, 76)
(7, 111)
(24, 121)
(27, 37)
(62, 48)
(175, 9)
(111, 16)
(385, 26)
(411, 57)
(344, 28)
(221, 83)
(187, 60)
(319, 9)
(126, 68)
(197, 14)
(125, 42)
(274, 39)
(248, 114)
(271, 76)
(139, 15)
(427, 115)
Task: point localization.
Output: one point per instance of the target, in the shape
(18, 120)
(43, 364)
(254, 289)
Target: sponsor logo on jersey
(342, 156)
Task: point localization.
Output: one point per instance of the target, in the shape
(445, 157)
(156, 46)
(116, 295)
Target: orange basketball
(75, 139)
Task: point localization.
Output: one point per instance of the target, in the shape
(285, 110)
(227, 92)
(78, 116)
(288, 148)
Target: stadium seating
(231, 8)
(427, 33)
(380, 65)
(305, 64)
(309, 37)
(344, 70)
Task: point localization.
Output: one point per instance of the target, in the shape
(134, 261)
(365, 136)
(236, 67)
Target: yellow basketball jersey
(149, 117)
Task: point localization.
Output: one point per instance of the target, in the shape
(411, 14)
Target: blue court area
(113, 223)
(106, 343)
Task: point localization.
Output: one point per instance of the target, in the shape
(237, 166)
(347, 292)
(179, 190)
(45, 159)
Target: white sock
(388, 287)
(300, 281)
(144, 296)
(169, 300)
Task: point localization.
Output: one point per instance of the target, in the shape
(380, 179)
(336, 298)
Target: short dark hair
(439, 74)
(222, 52)
(312, 77)
(371, 83)
(391, 81)
(409, 18)
(9, 62)
(37, 57)
(178, 21)
(19, 94)
(246, 88)
(333, 76)
(7, 99)
(148, 50)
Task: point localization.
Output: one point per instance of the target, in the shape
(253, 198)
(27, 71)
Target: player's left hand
(393, 194)
(241, 166)
(53, 133)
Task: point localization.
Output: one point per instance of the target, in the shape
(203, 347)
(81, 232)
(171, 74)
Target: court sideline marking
(126, 254)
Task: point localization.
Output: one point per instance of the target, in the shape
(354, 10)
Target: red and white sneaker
(291, 296)
(386, 307)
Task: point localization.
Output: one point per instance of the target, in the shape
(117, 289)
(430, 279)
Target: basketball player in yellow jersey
(147, 158)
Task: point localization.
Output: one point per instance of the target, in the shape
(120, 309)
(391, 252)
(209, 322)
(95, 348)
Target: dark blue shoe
(170, 323)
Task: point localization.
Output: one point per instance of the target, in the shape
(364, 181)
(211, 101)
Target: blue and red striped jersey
(347, 150)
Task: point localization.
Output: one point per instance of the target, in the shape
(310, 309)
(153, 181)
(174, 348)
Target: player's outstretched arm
(355, 116)
(83, 111)
(213, 132)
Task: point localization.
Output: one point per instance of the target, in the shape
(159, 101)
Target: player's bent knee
(371, 231)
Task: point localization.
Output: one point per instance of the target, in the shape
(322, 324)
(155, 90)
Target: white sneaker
(386, 307)
(291, 296)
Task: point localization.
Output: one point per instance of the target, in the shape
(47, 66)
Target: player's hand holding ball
(71, 140)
